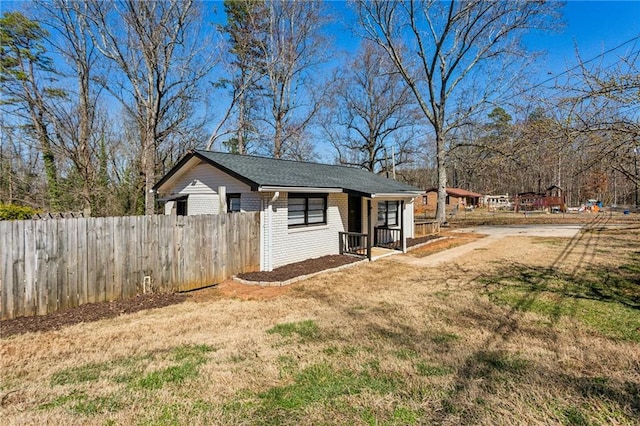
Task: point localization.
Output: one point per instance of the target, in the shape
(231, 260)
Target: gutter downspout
(403, 233)
(275, 197)
(263, 263)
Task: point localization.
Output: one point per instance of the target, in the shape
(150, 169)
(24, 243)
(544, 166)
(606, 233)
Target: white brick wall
(408, 216)
(297, 244)
(408, 219)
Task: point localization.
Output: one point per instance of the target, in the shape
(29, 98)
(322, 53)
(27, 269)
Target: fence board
(81, 238)
(6, 274)
(63, 282)
(53, 266)
(110, 267)
(129, 280)
(99, 234)
(71, 254)
(92, 287)
(18, 269)
(426, 228)
(30, 295)
(41, 265)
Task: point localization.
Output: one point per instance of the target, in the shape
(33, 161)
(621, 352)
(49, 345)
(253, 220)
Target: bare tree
(292, 46)
(441, 48)
(372, 113)
(608, 99)
(75, 121)
(162, 58)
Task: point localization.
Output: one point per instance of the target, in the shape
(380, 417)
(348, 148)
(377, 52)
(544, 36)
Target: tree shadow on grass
(612, 284)
(491, 368)
(534, 284)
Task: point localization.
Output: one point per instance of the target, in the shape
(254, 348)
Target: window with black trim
(307, 210)
(387, 213)
(181, 207)
(233, 203)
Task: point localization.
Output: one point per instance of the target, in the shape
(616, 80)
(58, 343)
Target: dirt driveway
(493, 234)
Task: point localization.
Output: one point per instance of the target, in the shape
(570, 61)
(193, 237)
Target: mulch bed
(98, 311)
(88, 313)
(297, 269)
(415, 241)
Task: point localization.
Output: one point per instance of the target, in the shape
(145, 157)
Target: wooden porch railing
(353, 243)
(387, 237)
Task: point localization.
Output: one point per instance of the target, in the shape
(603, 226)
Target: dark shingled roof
(261, 171)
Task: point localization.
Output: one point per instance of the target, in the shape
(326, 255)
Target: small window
(233, 203)
(306, 210)
(181, 207)
(387, 213)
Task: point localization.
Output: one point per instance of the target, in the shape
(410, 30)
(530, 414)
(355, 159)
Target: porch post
(402, 233)
(369, 229)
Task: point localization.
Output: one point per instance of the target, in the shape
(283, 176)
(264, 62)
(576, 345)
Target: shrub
(14, 212)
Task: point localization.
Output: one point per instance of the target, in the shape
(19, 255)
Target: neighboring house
(553, 199)
(306, 210)
(497, 202)
(456, 199)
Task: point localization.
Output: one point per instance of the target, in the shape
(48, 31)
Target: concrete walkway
(493, 234)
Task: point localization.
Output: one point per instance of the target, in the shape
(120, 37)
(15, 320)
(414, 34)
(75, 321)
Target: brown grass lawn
(483, 217)
(526, 331)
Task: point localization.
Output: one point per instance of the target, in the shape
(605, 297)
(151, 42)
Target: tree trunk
(49, 160)
(84, 155)
(241, 124)
(51, 173)
(441, 210)
(148, 169)
(277, 139)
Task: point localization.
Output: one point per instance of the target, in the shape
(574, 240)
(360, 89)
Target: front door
(355, 214)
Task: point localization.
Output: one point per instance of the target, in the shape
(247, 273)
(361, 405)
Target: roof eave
(307, 189)
(405, 194)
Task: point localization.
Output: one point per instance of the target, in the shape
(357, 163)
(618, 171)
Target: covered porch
(378, 225)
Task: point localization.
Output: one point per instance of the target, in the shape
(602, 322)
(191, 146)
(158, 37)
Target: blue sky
(594, 27)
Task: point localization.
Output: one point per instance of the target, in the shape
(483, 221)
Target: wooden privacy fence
(50, 265)
(426, 228)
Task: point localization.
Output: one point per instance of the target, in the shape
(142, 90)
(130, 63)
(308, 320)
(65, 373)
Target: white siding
(168, 207)
(201, 183)
(203, 204)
